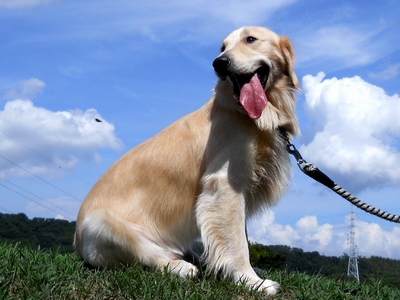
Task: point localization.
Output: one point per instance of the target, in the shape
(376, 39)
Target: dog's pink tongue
(253, 98)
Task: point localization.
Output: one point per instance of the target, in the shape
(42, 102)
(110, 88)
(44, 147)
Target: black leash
(317, 175)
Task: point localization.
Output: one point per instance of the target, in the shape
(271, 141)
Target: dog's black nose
(221, 65)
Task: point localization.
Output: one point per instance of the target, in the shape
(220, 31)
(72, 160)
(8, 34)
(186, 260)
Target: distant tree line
(37, 232)
(58, 234)
(371, 268)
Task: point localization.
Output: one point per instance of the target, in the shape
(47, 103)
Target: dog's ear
(288, 54)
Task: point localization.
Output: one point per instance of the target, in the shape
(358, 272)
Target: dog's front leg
(221, 218)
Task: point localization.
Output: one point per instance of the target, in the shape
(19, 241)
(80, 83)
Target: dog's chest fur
(258, 162)
(271, 170)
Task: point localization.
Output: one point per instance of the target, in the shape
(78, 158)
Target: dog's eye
(251, 39)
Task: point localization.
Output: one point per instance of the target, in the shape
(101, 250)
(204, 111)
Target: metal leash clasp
(291, 149)
(309, 169)
(301, 162)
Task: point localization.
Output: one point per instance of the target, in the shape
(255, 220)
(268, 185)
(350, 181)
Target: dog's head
(256, 68)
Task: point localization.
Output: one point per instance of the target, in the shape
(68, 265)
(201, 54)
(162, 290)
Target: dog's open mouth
(249, 91)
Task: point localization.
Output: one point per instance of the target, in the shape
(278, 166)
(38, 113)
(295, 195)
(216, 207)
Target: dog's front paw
(268, 286)
(253, 282)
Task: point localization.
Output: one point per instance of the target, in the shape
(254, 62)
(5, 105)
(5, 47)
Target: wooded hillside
(53, 234)
(46, 233)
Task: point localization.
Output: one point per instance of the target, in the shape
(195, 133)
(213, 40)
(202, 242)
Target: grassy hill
(54, 272)
(35, 274)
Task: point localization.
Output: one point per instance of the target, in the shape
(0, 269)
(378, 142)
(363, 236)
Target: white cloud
(306, 233)
(62, 137)
(270, 232)
(26, 89)
(328, 239)
(349, 45)
(356, 127)
(312, 232)
(238, 12)
(371, 239)
(23, 3)
(390, 72)
(213, 18)
(168, 21)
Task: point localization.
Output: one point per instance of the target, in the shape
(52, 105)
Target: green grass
(35, 274)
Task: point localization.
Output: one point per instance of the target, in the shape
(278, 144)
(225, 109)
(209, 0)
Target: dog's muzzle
(248, 88)
(223, 67)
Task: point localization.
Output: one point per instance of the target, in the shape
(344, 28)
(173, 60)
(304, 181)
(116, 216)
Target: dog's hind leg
(108, 241)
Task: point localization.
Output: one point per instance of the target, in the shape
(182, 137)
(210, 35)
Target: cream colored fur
(202, 176)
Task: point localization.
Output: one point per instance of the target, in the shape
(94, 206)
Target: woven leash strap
(316, 174)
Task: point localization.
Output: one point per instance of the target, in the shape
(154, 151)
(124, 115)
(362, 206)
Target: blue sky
(140, 65)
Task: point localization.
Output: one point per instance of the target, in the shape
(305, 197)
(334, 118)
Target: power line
(6, 210)
(59, 207)
(41, 155)
(40, 178)
(44, 157)
(32, 200)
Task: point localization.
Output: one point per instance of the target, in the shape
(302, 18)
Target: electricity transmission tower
(352, 269)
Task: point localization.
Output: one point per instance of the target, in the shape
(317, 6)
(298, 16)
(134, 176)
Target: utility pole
(352, 269)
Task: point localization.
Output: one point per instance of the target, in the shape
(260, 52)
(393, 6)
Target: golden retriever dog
(204, 175)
